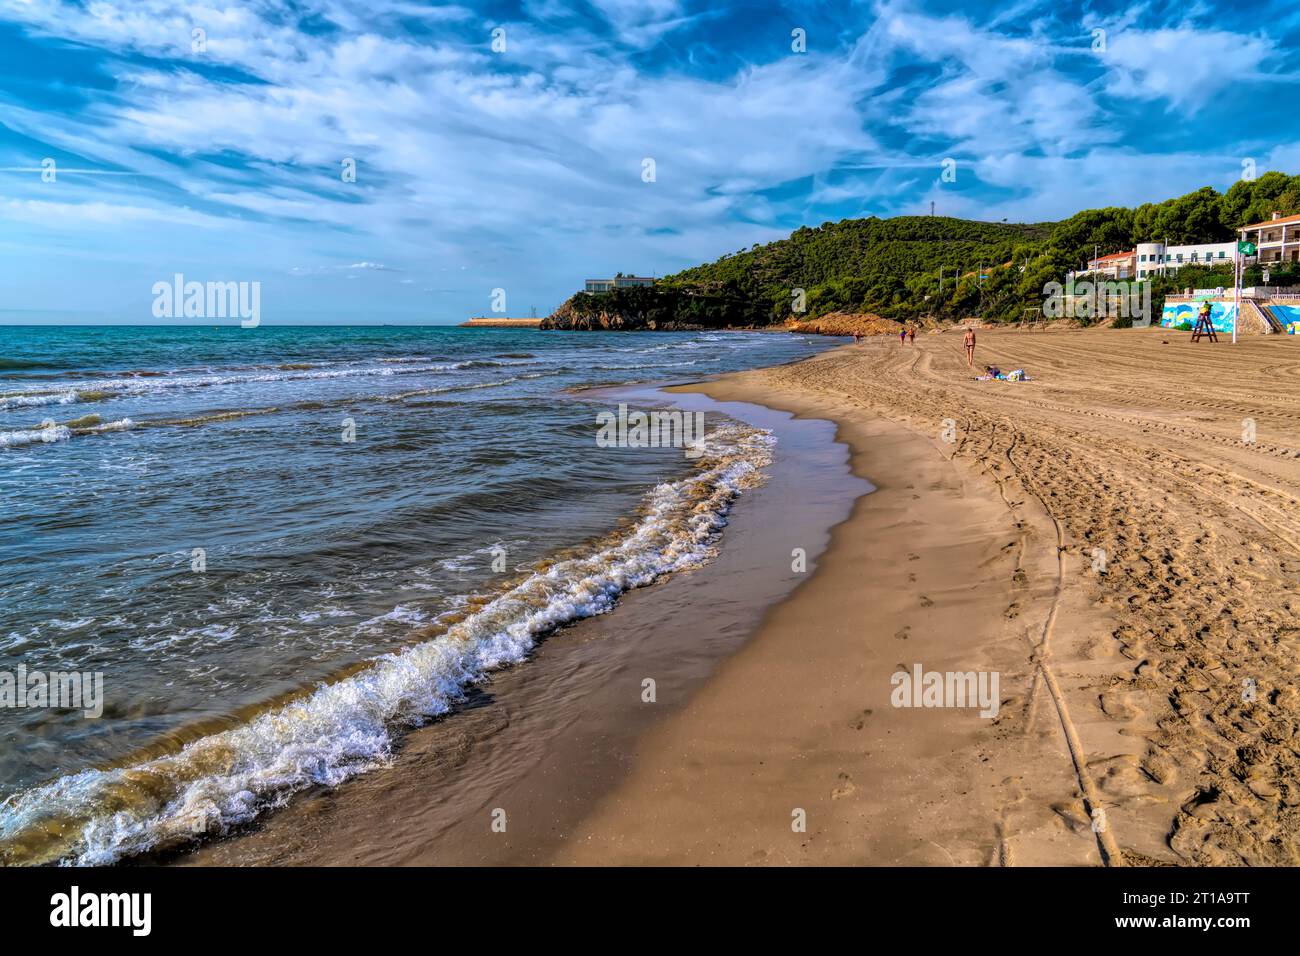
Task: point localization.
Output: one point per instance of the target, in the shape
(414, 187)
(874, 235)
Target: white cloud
(1182, 66)
(69, 216)
(996, 92)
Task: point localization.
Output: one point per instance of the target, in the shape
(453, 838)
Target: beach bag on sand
(1017, 376)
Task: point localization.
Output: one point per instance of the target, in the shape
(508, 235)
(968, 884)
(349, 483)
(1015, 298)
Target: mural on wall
(1289, 316)
(1182, 315)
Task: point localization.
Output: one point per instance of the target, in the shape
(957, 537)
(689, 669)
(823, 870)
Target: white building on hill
(619, 282)
(1155, 258)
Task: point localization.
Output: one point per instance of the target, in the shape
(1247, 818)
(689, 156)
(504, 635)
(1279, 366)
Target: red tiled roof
(1114, 255)
(1273, 222)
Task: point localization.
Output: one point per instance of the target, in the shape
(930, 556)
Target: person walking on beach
(911, 336)
(902, 336)
(968, 340)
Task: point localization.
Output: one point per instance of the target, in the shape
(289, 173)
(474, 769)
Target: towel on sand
(1017, 375)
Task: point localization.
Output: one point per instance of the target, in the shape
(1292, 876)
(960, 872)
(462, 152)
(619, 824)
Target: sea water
(279, 546)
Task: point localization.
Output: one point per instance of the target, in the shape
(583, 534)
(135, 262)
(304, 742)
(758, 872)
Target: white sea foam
(643, 365)
(134, 385)
(478, 558)
(71, 625)
(122, 424)
(345, 728)
(36, 399)
(401, 614)
(48, 431)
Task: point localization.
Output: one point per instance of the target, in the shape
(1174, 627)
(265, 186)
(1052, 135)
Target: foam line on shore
(341, 729)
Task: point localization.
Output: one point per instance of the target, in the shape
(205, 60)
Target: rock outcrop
(567, 318)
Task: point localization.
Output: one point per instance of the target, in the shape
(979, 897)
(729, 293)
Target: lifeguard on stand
(1204, 327)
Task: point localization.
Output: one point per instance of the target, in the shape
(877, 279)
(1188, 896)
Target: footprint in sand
(1115, 705)
(845, 787)
(1260, 785)
(860, 721)
(1159, 766)
(1119, 776)
(1074, 816)
(926, 602)
(902, 633)
(1098, 649)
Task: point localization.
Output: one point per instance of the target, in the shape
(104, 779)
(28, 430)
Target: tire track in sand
(1110, 852)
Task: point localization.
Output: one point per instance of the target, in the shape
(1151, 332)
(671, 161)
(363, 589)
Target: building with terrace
(618, 282)
(1277, 239)
(1117, 265)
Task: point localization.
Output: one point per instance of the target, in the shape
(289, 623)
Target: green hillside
(929, 266)
(858, 260)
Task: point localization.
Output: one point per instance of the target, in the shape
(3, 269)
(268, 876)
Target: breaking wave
(50, 431)
(347, 727)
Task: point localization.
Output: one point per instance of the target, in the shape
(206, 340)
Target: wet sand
(543, 742)
(1110, 538)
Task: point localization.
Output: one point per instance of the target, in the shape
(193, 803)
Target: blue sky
(523, 169)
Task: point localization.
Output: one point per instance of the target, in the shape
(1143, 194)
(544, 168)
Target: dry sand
(1110, 537)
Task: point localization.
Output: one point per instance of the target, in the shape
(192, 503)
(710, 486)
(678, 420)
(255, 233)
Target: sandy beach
(1107, 538)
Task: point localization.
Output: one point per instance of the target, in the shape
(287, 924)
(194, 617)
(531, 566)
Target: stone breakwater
(484, 323)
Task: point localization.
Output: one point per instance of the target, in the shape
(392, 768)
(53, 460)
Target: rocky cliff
(570, 319)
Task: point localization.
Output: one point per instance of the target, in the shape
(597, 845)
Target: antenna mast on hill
(931, 207)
